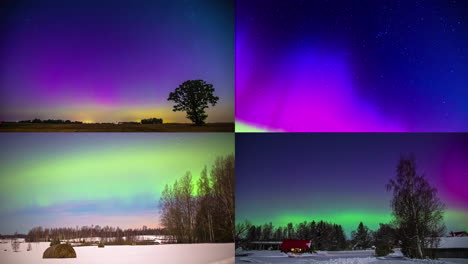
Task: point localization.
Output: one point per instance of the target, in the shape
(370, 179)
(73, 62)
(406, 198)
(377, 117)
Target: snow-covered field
(170, 253)
(335, 257)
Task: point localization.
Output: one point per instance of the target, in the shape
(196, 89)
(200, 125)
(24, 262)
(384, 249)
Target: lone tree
(361, 237)
(193, 97)
(417, 210)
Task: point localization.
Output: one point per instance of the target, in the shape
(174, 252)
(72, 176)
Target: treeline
(60, 121)
(152, 121)
(16, 235)
(324, 235)
(39, 234)
(50, 121)
(206, 215)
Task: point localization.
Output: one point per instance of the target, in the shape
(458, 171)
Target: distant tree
(278, 236)
(313, 230)
(417, 210)
(322, 236)
(303, 231)
(193, 97)
(258, 233)
(290, 229)
(267, 232)
(251, 233)
(241, 229)
(339, 238)
(361, 237)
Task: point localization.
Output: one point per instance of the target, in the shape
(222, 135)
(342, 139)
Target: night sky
(329, 65)
(108, 61)
(341, 178)
(70, 179)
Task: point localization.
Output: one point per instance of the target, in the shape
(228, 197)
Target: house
(459, 234)
(449, 247)
(295, 246)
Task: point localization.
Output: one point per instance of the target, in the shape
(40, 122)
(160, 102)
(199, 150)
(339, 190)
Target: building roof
(461, 233)
(453, 242)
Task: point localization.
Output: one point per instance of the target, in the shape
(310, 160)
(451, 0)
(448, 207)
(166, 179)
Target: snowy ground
(335, 257)
(170, 253)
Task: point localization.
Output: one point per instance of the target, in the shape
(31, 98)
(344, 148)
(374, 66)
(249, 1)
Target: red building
(295, 246)
(459, 234)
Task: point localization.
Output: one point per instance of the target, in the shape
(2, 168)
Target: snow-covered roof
(266, 242)
(453, 242)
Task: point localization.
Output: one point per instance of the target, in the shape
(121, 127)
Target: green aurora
(41, 172)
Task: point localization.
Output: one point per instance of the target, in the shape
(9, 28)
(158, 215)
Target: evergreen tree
(386, 235)
(251, 233)
(361, 237)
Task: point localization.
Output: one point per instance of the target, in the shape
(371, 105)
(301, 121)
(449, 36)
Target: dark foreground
(25, 127)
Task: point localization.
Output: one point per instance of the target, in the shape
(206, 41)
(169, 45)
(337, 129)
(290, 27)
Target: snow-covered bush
(15, 244)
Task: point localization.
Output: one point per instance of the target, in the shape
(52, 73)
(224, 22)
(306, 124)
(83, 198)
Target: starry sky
(341, 178)
(108, 61)
(57, 180)
(346, 66)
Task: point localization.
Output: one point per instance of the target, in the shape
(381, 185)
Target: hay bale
(60, 251)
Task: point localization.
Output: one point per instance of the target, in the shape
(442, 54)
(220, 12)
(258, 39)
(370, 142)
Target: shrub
(383, 250)
(60, 251)
(15, 244)
(100, 245)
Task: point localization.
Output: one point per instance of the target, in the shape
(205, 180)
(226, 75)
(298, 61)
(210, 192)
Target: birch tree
(417, 210)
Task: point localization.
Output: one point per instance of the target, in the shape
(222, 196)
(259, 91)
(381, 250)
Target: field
(168, 253)
(169, 127)
(335, 257)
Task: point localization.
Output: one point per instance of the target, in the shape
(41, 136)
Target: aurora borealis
(352, 66)
(116, 179)
(109, 61)
(296, 177)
